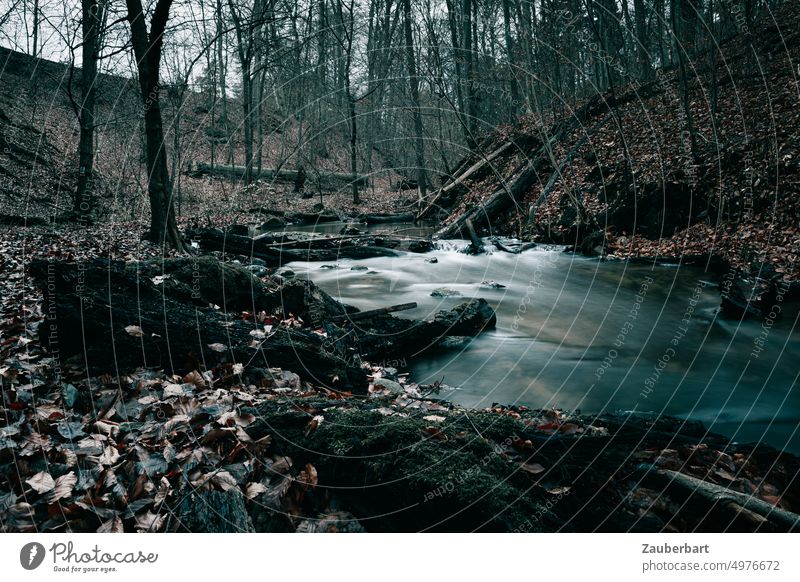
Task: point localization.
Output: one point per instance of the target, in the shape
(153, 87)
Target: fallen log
(385, 336)
(462, 177)
(503, 199)
(385, 218)
(526, 175)
(361, 315)
(732, 504)
(290, 176)
(515, 250)
(276, 254)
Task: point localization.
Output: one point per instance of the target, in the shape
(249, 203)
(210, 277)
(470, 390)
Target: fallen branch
(277, 175)
(477, 244)
(734, 503)
(277, 253)
(462, 177)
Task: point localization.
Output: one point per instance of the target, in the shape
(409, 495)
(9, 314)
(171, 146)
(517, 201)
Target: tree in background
(147, 49)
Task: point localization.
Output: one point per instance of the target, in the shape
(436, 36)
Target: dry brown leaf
(308, 477)
(134, 330)
(42, 482)
(113, 525)
(109, 457)
(63, 487)
(223, 480)
(254, 490)
(196, 378)
(150, 521)
(532, 468)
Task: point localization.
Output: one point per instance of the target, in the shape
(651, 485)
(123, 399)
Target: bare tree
(92, 18)
(147, 49)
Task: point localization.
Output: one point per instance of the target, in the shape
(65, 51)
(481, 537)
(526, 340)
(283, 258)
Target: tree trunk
(468, 59)
(91, 15)
(510, 51)
(419, 142)
(452, 19)
(646, 70)
(353, 145)
(676, 15)
(247, 122)
(147, 50)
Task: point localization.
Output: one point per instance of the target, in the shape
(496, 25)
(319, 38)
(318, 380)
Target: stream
(578, 333)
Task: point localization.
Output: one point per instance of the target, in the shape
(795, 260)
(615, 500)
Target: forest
(399, 265)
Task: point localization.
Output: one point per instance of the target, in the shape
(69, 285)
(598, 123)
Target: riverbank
(137, 449)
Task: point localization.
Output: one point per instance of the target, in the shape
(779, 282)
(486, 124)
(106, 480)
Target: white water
(558, 319)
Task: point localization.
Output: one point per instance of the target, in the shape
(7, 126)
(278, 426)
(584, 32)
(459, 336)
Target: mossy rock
(398, 473)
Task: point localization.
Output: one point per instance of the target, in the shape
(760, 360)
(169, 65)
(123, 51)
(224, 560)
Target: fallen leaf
(559, 490)
(223, 480)
(134, 330)
(113, 525)
(150, 521)
(254, 490)
(532, 468)
(63, 487)
(314, 423)
(109, 457)
(308, 477)
(42, 482)
(569, 428)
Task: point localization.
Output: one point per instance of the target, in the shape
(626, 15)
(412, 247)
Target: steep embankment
(620, 177)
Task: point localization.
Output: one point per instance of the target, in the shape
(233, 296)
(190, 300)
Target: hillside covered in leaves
(625, 166)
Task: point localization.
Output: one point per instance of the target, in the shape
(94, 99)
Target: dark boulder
(117, 320)
(421, 246)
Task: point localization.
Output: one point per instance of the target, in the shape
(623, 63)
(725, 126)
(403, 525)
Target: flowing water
(577, 333)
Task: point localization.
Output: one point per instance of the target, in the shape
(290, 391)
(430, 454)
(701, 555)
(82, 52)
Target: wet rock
(129, 321)
(386, 384)
(468, 318)
(492, 285)
(594, 244)
(350, 230)
(271, 222)
(304, 299)
(205, 280)
(359, 268)
(258, 270)
(445, 292)
(431, 260)
(421, 246)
